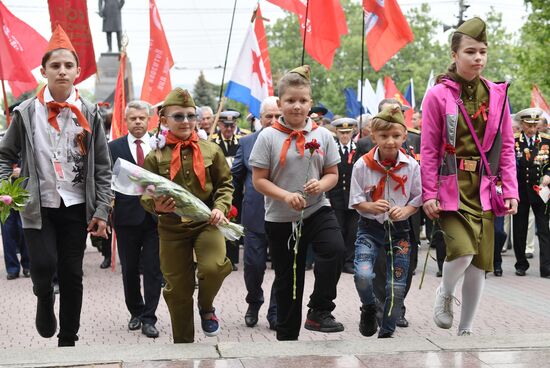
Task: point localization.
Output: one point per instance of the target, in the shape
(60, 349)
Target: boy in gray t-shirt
(293, 173)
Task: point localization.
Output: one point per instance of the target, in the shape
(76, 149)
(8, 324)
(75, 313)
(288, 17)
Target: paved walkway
(511, 305)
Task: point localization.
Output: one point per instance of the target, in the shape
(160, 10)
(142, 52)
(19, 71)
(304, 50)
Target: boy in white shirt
(385, 190)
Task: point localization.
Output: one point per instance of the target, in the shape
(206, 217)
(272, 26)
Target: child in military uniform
(200, 167)
(386, 191)
(456, 185)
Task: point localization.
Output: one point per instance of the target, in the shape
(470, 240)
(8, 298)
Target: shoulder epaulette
(516, 135)
(244, 132)
(545, 135)
(412, 130)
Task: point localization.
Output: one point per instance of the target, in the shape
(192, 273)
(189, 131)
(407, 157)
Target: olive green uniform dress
(180, 236)
(470, 230)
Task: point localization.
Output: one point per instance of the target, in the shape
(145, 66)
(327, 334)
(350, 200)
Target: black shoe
(273, 325)
(348, 269)
(65, 342)
(149, 330)
(12, 276)
(106, 263)
(528, 255)
(385, 335)
(401, 322)
(46, 323)
(438, 274)
(545, 276)
(498, 272)
(251, 315)
(368, 324)
(134, 324)
(26, 272)
(520, 272)
(322, 321)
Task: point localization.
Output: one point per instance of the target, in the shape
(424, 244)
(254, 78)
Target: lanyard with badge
(56, 162)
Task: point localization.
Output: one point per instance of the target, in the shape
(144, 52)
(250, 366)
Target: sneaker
(465, 333)
(368, 324)
(210, 326)
(443, 309)
(322, 321)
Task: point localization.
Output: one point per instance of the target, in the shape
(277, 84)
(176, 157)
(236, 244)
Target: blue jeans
(372, 241)
(12, 240)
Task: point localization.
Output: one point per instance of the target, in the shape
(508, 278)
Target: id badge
(58, 168)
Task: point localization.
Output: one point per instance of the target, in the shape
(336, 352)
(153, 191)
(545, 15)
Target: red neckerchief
(300, 139)
(198, 161)
(55, 107)
(372, 164)
(482, 110)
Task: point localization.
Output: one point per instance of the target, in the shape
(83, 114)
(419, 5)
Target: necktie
(346, 152)
(139, 152)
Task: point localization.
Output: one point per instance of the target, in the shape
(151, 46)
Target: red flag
(21, 48)
(118, 127)
(538, 100)
(259, 30)
(387, 31)
(326, 23)
(157, 84)
(393, 92)
(73, 17)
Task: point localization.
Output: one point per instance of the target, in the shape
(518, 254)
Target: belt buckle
(470, 165)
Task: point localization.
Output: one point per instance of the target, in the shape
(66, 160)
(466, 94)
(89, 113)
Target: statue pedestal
(107, 73)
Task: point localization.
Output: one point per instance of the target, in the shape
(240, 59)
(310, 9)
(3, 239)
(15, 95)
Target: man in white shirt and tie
(136, 229)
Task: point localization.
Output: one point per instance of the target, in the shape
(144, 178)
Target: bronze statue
(109, 10)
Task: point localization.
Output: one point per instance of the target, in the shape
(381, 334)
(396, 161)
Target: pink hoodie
(439, 122)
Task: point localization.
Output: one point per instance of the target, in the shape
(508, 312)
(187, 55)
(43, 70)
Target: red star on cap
(256, 60)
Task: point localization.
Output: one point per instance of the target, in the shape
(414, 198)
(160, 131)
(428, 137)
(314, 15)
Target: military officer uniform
(229, 148)
(339, 195)
(532, 155)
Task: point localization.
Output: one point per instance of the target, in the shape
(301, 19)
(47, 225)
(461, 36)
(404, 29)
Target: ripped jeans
(372, 241)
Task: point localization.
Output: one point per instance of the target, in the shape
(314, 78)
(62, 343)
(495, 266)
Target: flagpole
(305, 33)
(362, 75)
(227, 51)
(6, 106)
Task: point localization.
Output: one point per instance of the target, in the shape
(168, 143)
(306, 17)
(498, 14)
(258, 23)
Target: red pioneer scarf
(198, 161)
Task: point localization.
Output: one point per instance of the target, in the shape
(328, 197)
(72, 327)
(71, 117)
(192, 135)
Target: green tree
(205, 93)
(532, 56)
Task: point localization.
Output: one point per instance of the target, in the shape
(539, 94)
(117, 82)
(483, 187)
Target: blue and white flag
(409, 94)
(248, 83)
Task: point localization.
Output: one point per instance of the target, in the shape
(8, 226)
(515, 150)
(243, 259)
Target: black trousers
(500, 239)
(135, 243)
(347, 219)
(520, 225)
(321, 230)
(59, 246)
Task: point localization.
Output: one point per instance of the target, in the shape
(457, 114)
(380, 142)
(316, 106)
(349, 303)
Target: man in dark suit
(251, 204)
(339, 195)
(136, 230)
(228, 140)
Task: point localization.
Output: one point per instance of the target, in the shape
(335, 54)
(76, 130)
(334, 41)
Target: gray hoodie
(17, 144)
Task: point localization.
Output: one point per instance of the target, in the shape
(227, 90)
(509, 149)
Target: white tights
(472, 287)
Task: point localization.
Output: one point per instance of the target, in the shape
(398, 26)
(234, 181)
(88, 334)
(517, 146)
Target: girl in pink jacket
(455, 184)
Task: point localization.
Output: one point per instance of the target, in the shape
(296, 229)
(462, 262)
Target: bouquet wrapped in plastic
(131, 179)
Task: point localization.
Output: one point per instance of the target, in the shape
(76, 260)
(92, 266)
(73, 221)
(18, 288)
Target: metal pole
(227, 51)
(305, 33)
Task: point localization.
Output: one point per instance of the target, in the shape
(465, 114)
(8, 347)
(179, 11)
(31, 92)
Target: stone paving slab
(323, 348)
(527, 341)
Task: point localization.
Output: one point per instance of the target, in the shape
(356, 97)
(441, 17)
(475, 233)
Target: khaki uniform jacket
(218, 191)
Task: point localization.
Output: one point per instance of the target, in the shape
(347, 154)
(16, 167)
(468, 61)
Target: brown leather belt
(468, 165)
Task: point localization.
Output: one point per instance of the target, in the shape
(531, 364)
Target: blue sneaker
(211, 326)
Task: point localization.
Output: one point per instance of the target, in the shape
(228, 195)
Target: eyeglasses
(180, 118)
(271, 116)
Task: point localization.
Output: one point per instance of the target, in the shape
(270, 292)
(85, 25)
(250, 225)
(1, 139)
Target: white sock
(472, 288)
(452, 272)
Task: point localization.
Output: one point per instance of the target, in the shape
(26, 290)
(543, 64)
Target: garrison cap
(531, 115)
(229, 117)
(392, 114)
(319, 110)
(179, 97)
(344, 124)
(474, 28)
(304, 71)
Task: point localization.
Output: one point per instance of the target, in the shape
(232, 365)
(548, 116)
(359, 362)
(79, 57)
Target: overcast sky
(197, 30)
